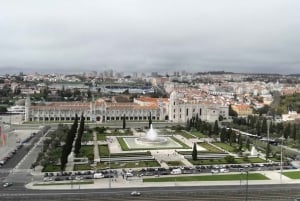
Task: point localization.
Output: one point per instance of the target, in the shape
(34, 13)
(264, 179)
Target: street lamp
(109, 180)
(246, 185)
(268, 145)
(281, 161)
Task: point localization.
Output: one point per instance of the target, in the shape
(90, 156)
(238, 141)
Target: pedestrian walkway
(163, 156)
(96, 148)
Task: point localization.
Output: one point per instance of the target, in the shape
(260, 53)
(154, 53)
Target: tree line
(69, 140)
(259, 126)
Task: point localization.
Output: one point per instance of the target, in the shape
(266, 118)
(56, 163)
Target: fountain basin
(138, 143)
(157, 140)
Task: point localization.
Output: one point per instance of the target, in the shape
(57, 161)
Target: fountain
(151, 141)
(151, 138)
(253, 151)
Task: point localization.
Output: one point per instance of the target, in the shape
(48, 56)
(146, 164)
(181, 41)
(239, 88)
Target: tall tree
(228, 133)
(264, 126)
(216, 127)
(124, 122)
(72, 134)
(223, 135)
(79, 135)
(63, 158)
(150, 120)
(194, 153)
(287, 131)
(232, 138)
(258, 129)
(268, 151)
(248, 144)
(209, 129)
(67, 147)
(240, 139)
(188, 125)
(294, 133)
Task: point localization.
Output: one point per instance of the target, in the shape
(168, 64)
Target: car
(135, 193)
(214, 171)
(224, 170)
(7, 184)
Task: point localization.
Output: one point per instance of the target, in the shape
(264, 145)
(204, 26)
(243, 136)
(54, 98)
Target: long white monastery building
(182, 105)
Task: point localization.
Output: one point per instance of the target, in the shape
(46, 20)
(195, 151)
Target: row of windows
(187, 111)
(56, 119)
(60, 113)
(131, 118)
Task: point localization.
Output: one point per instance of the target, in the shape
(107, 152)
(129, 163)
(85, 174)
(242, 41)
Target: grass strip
(226, 177)
(292, 175)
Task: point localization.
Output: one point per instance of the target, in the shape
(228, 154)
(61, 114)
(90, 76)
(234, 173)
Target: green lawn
(292, 175)
(187, 135)
(198, 134)
(87, 151)
(226, 177)
(225, 146)
(251, 160)
(223, 161)
(210, 148)
(174, 163)
(122, 144)
(103, 151)
(101, 137)
(181, 143)
(87, 137)
(82, 167)
(51, 168)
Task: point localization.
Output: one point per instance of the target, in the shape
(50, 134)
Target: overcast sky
(150, 35)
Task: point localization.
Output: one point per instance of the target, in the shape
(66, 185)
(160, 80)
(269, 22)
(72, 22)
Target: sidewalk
(136, 182)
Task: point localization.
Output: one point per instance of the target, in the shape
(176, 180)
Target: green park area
(210, 148)
(292, 175)
(198, 134)
(225, 146)
(226, 160)
(226, 177)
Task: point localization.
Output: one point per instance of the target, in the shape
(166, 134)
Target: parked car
(214, 171)
(224, 170)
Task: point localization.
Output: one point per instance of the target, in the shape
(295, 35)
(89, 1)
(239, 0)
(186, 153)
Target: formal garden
(215, 146)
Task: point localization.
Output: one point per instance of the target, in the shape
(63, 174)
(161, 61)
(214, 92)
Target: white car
(135, 193)
(7, 184)
(214, 171)
(224, 170)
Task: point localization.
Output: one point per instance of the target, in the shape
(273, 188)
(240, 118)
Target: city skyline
(143, 36)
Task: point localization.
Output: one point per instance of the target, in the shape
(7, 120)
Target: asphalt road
(255, 192)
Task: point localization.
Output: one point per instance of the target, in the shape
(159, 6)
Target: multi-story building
(185, 104)
(182, 105)
(98, 111)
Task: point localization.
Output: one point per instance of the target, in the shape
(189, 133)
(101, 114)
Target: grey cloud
(138, 35)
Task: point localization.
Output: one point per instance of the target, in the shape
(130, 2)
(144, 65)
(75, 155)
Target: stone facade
(184, 106)
(179, 108)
